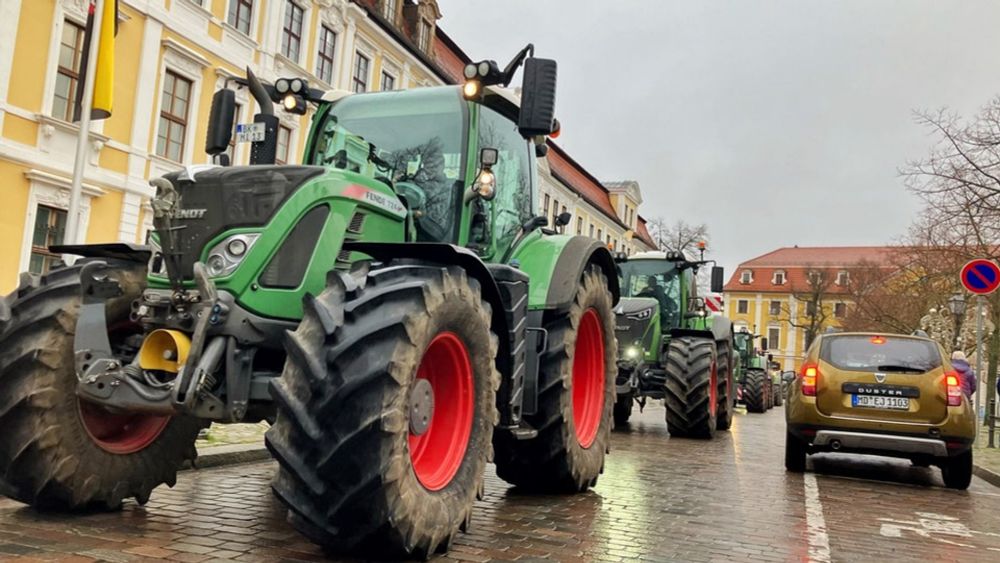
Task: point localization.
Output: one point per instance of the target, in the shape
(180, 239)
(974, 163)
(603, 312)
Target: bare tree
(680, 236)
(814, 299)
(960, 184)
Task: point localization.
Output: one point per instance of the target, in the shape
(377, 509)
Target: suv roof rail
(920, 332)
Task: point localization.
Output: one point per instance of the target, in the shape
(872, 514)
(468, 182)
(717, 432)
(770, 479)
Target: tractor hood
(215, 200)
(637, 321)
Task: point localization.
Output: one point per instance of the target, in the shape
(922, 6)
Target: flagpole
(80, 164)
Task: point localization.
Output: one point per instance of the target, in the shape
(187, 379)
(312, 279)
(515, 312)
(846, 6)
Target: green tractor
(395, 305)
(670, 348)
(759, 390)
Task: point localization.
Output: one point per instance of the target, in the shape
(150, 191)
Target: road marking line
(819, 542)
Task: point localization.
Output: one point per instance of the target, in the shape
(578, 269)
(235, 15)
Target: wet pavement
(660, 499)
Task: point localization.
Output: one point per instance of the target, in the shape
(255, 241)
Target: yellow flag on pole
(104, 74)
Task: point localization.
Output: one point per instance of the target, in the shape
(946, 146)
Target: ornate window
(360, 78)
(284, 145)
(68, 71)
(291, 31)
(746, 276)
(173, 116)
(50, 229)
(325, 54)
(240, 15)
(778, 278)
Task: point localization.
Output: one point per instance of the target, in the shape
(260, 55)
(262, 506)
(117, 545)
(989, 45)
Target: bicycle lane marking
(819, 541)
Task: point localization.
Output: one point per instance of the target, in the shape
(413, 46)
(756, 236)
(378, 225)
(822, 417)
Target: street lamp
(956, 304)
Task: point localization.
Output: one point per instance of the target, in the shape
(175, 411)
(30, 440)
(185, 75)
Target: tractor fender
(557, 262)
(116, 251)
(722, 330)
(449, 254)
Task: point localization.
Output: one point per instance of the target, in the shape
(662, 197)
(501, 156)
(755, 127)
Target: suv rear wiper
(900, 368)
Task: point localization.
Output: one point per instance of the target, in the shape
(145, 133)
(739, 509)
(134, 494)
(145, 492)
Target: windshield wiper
(900, 368)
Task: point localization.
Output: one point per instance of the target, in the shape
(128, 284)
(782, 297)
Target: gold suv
(883, 394)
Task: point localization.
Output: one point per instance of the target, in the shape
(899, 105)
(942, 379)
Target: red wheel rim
(713, 390)
(120, 433)
(437, 454)
(588, 378)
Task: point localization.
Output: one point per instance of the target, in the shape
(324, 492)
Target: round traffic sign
(981, 276)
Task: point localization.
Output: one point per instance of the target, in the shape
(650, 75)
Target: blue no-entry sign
(981, 276)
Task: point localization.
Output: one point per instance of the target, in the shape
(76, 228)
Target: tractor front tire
(57, 452)
(576, 393)
(692, 387)
(386, 408)
(727, 387)
(754, 394)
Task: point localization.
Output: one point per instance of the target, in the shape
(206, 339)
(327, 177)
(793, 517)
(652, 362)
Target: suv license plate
(876, 402)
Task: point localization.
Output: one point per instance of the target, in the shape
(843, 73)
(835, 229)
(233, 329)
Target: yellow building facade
(766, 292)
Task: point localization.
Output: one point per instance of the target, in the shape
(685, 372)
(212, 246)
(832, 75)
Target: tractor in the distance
(396, 305)
(758, 389)
(670, 348)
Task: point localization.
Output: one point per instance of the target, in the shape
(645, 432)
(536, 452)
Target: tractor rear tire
(367, 463)
(727, 387)
(623, 409)
(692, 387)
(779, 394)
(55, 451)
(768, 392)
(754, 394)
(576, 394)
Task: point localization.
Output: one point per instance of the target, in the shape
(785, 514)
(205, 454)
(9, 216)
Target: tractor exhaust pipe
(266, 151)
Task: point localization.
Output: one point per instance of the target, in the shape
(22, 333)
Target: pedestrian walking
(966, 375)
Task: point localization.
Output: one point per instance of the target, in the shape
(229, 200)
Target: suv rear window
(880, 353)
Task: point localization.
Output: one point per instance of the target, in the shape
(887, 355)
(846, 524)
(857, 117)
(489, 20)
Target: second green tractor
(670, 348)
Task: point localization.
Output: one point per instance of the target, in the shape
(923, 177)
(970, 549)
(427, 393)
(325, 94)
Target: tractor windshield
(659, 279)
(412, 140)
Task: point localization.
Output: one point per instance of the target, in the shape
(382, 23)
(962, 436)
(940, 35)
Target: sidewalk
(226, 444)
(987, 461)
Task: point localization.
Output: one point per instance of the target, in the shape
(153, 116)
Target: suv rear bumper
(893, 444)
(837, 440)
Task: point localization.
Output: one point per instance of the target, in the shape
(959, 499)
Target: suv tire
(795, 453)
(957, 471)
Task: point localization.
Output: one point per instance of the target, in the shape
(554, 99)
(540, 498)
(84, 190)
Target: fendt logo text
(189, 213)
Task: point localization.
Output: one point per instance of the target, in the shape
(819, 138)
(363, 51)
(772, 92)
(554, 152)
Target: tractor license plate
(876, 402)
(250, 132)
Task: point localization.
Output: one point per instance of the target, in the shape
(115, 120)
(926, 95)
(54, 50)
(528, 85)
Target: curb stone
(228, 455)
(991, 477)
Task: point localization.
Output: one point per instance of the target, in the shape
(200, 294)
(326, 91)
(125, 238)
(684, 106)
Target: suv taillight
(810, 376)
(954, 389)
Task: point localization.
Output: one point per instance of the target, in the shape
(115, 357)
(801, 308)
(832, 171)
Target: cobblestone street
(659, 499)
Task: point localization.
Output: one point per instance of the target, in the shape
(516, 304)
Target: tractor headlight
(632, 353)
(225, 257)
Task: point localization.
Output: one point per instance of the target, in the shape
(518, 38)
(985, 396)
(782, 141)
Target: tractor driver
(655, 290)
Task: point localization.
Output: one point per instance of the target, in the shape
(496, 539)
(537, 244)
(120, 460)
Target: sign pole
(979, 360)
(80, 163)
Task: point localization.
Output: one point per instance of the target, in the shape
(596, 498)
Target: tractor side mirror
(538, 98)
(488, 157)
(788, 376)
(763, 343)
(717, 279)
(563, 219)
(220, 122)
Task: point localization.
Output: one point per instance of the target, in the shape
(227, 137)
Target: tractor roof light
(294, 103)
(472, 89)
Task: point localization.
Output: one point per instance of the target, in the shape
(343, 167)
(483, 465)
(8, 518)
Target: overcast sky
(775, 122)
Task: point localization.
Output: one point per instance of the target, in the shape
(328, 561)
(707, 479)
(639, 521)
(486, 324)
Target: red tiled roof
(796, 262)
(643, 233)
